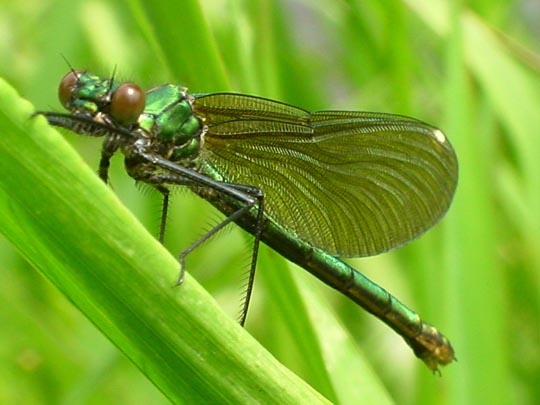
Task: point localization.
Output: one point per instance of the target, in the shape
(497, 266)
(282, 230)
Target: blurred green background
(470, 67)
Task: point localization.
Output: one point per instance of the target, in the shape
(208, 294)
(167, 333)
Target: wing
(352, 183)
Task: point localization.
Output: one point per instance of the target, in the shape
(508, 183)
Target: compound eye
(127, 103)
(67, 86)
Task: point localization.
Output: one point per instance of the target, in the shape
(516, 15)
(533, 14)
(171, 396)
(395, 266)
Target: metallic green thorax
(168, 119)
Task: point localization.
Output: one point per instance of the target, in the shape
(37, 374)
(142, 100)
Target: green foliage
(471, 69)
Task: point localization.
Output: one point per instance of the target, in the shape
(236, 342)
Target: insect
(314, 186)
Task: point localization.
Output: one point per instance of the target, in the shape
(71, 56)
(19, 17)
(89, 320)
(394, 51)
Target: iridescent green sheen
(314, 186)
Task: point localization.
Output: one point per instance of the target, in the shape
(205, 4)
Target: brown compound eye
(67, 85)
(127, 103)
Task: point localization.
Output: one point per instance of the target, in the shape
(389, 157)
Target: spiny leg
(164, 212)
(231, 218)
(178, 175)
(253, 266)
(256, 197)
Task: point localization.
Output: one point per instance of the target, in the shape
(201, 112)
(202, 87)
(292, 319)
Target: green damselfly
(314, 186)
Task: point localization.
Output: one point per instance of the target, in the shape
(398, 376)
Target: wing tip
(439, 135)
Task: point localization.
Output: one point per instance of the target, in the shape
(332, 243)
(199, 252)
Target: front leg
(109, 147)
